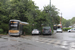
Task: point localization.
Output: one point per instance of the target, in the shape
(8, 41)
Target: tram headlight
(17, 31)
(13, 31)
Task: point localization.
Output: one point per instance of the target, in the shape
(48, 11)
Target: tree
(63, 22)
(66, 23)
(51, 16)
(73, 20)
(25, 10)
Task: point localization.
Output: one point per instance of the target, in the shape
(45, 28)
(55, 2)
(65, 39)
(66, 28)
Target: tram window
(13, 28)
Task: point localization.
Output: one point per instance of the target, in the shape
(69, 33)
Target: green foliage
(25, 10)
(1, 31)
(63, 22)
(73, 20)
(66, 23)
(27, 30)
(51, 16)
(66, 29)
(4, 27)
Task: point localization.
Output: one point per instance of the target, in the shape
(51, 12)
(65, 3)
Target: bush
(27, 30)
(66, 29)
(5, 33)
(1, 30)
(4, 27)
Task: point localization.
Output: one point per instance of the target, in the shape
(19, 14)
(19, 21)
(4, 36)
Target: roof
(14, 20)
(23, 23)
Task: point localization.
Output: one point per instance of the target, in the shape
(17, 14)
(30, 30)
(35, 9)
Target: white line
(65, 43)
(51, 41)
(58, 43)
(64, 47)
(72, 44)
(42, 42)
(48, 43)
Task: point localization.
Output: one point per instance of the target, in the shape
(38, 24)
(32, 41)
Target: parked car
(47, 30)
(71, 30)
(35, 31)
(59, 30)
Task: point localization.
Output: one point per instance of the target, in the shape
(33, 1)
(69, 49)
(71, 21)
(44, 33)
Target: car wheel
(50, 33)
(61, 32)
(19, 35)
(69, 31)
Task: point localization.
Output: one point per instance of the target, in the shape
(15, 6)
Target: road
(58, 41)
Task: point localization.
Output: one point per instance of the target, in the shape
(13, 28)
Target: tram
(15, 27)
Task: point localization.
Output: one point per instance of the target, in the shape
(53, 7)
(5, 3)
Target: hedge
(66, 29)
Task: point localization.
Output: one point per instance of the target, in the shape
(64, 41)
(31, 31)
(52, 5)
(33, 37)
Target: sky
(66, 7)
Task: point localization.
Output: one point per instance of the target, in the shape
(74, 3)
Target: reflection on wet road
(60, 36)
(63, 40)
(64, 36)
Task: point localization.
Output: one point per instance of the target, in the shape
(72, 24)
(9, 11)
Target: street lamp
(33, 24)
(41, 24)
(61, 20)
(50, 6)
(50, 9)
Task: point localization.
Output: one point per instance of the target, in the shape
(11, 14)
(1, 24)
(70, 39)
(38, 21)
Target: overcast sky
(67, 7)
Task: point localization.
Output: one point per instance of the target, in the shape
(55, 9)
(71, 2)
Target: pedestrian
(24, 33)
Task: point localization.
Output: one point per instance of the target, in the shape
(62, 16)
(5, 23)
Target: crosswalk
(58, 43)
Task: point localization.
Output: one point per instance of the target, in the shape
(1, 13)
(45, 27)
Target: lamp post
(50, 4)
(50, 8)
(61, 20)
(32, 26)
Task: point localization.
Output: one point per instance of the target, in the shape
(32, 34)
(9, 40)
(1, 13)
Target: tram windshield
(13, 25)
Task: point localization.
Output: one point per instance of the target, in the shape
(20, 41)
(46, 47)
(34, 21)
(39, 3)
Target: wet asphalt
(69, 36)
(39, 42)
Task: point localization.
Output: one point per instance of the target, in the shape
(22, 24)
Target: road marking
(65, 43)
(55, 42)
(64, 47)
(58, 43)
(48, 43)
(51, 41)
(72, 45)
(47, 40)
(42, 42)
(37, 41)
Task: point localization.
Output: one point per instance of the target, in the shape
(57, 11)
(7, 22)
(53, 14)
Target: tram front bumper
(14, 34)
